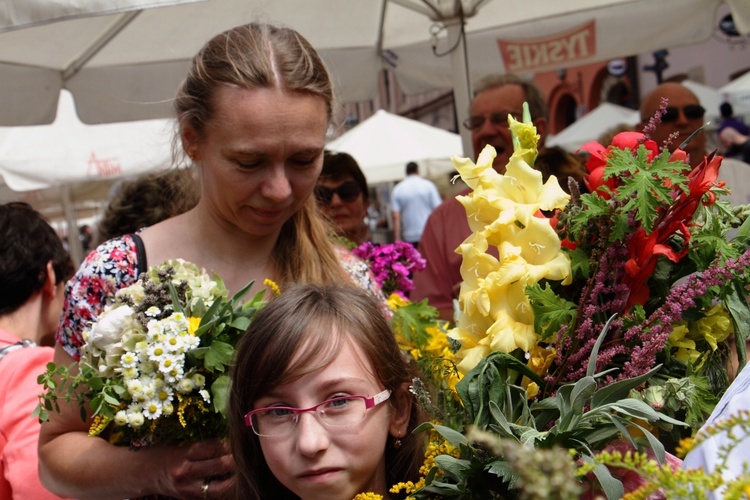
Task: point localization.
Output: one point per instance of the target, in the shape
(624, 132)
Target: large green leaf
(219, 356)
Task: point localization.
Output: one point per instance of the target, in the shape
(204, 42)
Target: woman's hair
(339, 166)
(27, 244)
(254, 56)
(147, 199)
(308, 324)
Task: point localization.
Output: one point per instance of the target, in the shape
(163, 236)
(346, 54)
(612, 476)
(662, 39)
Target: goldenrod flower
(273, 286)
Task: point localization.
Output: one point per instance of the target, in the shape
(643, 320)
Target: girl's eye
(278, 412)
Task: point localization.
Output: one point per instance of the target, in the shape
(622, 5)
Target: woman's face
(260, 156)
(319, 462)
(347, 213)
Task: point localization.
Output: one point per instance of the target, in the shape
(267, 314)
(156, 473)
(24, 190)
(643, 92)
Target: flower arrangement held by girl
(320, 404)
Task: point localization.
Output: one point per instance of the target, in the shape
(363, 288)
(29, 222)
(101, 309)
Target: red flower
(644, 250)
(597, 161)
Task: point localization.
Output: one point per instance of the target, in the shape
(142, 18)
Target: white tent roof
(737, 93)
(384, 143)
(68, 151)
(709, 98)
(127, 66)
(593, 124)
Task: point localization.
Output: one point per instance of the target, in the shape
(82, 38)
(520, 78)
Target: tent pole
(74, 240)
(461, 80)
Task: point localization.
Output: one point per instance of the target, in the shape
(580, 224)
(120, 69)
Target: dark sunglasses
(691, 112)
(348, 192)
(497, 118)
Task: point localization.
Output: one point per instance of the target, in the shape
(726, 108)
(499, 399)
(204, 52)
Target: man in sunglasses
(683, 116)
(495, 97)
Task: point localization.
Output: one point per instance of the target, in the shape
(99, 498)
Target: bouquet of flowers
(392, 264)
(154, 365)
(606, 317)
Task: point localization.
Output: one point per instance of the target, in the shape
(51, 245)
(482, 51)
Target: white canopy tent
(384, 143)
(68, 161)
(591, 125)
(737, 93)
(709, 98)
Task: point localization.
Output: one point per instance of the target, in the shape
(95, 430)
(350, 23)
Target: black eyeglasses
(348, 192)
(691, 112)
(496, 118)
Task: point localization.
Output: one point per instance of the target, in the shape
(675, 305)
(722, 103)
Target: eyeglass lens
(691, 112)
(337, 412)
(497, 118)
(347, 191)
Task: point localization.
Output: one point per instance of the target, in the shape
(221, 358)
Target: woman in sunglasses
(320, 405)
(343, 196)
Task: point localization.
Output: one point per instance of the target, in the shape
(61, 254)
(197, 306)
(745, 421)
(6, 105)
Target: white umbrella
(591, 125)
(737, 93)
(384, 143)
(47, 160)
(127, 66)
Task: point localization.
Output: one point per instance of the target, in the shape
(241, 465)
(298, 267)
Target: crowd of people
(320, 405)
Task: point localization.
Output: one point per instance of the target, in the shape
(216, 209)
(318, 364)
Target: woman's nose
(276, 185)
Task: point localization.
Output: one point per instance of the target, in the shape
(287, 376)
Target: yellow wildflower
(715, 327)
(368, 496)
(193, 324)
(273, 286)
(395, 301)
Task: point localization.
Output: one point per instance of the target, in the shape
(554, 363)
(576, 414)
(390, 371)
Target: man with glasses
(683, 116)
(495, 97)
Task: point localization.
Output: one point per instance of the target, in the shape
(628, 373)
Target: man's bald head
(678, 96)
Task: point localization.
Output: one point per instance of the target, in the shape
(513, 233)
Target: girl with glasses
(320, 404)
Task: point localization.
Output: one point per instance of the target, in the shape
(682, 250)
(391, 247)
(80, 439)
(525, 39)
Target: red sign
(551, 52)
(103, 167)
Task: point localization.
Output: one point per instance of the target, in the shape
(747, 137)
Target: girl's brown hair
(256, 56)
(308, 323)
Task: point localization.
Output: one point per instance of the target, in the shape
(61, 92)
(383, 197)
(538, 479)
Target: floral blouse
(113, 265)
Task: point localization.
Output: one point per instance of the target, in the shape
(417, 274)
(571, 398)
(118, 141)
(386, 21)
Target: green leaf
(241, 323)
(739, 310)
(620, 389)
(175, 299)
(550, 310)
(220, 394)
(452, 467)
(612, 487)
(218, 357)
(591, 368)
(453, 436)
(502, 469)
(656, 446)
(582, 392)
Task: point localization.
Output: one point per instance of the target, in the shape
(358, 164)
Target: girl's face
(260, 154)
(315, 461)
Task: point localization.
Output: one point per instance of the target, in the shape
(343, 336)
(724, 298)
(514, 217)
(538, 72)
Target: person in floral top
(253, 114)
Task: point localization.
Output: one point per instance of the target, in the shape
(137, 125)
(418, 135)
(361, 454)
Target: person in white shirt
(414, 199)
